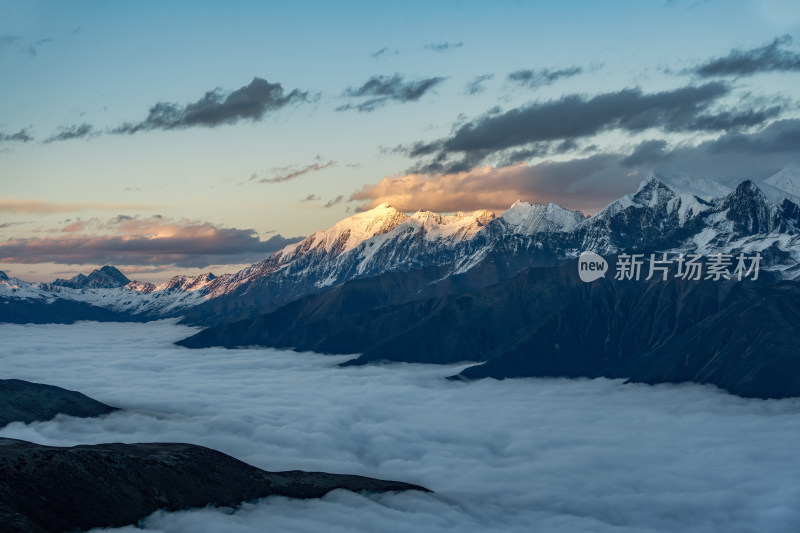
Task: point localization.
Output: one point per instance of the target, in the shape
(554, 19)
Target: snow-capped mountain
(666, 213)
(110, 289)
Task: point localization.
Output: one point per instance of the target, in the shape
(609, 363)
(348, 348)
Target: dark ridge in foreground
(49, 489)
(23, 401)
(545, 322)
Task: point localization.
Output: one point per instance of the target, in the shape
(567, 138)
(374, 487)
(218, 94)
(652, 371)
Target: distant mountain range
(500, 289)
(666, 213)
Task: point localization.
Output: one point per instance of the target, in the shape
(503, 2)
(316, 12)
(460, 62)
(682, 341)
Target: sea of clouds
(514, 455)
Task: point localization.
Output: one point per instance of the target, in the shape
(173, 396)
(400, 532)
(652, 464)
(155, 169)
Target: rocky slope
(49, 489)
(23, 401)
(739, 335)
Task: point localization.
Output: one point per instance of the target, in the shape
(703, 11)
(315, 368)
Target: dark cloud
(20, 136)
(311, 198)
(73, 132)
(729, 158)
(290, 173)
(330, 203)
(780, 136)
(589, 183)
(476, 85)
(541, 77)
(379, 90)
(443, 47)
(380, 52)
(646, 153)
(195, 245)
(768, 58)
(215, 108)
(491, 136)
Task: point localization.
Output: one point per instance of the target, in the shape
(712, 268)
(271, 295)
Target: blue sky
(278, 119)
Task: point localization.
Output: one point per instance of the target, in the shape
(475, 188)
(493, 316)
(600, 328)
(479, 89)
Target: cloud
(20, 136)
(250, 102)
(564, 455)
(144, 241)
(729, 158)
(541, 77)
(335, 201)
(379, 90)
(587, 184)
(5, 225)
(73, 132)
(290, 173)
(33, 49)
(443, 47)
(10, 205)
(475, 86)
(768, 58)
(311, 198)
(536, 126)
(647, 153)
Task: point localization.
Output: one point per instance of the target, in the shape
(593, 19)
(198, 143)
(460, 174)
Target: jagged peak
(104, 277)
(3, 276)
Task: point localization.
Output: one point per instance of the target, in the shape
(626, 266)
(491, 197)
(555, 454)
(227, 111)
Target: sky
(187, 137)
(572, 455)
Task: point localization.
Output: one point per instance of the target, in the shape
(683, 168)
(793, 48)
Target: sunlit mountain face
(423, 266)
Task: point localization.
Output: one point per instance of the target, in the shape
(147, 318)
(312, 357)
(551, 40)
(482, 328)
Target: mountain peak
(703, 188)
(3, 276)
(106, 277)
(787, 180)
(528, 218)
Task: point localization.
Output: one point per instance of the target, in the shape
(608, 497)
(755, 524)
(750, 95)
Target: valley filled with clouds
(548, 454)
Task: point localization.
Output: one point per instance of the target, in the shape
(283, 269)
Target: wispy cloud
(379, 90)
(476, 86)
(78, 131)
(538, 78)
(250, 102)
(10, 205)
(33, 49)
(289, 173)
(311, 198)
(443, 47)
(21, 136)
(768, 58)
(335, 201)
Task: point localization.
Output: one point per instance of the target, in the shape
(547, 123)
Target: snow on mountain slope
(526, 218)
(134, 297)
(374, 241)
(665, 213)
(787, 180)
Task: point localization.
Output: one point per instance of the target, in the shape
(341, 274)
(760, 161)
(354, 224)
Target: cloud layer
(379, 90)
(546, 76)
(151, 241)
(289, 173)
(589, 182)
(556, 455)
(519, 133)
(250, 102)
(768, 58)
